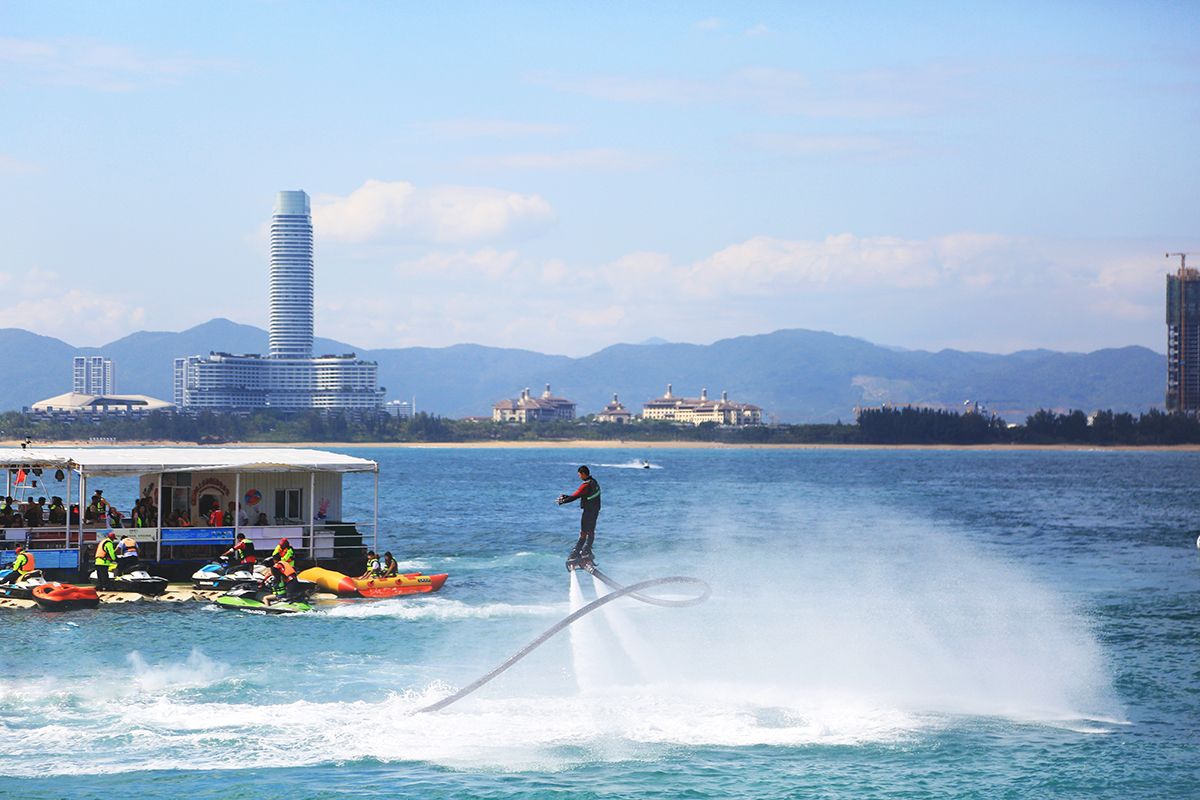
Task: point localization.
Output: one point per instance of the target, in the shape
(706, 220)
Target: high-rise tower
(1183, 339)
(290, 378)
(291, 318)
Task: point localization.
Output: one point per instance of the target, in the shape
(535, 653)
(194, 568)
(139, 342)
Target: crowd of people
(100, 513)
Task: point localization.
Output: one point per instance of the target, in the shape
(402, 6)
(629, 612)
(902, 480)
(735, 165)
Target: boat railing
(69, 547)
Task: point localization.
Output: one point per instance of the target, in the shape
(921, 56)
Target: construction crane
(1182, 260)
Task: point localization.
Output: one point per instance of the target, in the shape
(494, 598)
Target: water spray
(633, 591)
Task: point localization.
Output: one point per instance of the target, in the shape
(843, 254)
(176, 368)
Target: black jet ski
(137, 580)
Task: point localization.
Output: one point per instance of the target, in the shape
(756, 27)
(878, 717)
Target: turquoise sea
(898, 624)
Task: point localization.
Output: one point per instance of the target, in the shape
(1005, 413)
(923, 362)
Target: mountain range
(794, 375)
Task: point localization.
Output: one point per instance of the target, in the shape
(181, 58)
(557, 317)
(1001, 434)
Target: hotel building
(93, 375)
(289, 377)
(698, 410)
(528, 408)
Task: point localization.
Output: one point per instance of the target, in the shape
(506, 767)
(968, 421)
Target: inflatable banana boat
(345, 586)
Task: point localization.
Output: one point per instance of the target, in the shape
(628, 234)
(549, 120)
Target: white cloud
(595, 158)
(399, 211)
(796, 144)
(709, 24)
(91, 64)
(13, 167)
(493, 128)
(757, 30)
(487, 262)
(867, 94)
(93, 316)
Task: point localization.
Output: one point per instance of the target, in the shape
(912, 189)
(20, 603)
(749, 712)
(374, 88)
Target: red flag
(21, 476)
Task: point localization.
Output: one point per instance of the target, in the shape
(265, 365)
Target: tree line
(873, 426)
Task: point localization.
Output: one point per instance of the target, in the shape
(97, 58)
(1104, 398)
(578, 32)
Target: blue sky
(561, 177)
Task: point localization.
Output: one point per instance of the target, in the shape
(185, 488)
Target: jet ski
(248, 598)
(65, 597)
(137, 580)
(219, 575)
(23, 587)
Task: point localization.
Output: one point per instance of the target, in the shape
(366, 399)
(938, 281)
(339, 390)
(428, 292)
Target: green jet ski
(250, 599)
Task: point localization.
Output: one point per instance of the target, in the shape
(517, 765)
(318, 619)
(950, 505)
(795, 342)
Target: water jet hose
(633, 591)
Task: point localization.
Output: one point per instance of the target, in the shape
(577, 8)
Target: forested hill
(795, 375)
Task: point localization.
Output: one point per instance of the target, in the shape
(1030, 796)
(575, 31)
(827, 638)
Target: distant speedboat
(645, 464)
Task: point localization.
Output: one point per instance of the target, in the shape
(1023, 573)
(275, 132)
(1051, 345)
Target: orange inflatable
(345, 586)
(412, 583)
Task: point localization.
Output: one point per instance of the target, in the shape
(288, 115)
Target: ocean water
(883, 624)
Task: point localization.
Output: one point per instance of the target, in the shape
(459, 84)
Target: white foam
(437, 608)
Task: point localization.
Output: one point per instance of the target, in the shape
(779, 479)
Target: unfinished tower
(1183, 338)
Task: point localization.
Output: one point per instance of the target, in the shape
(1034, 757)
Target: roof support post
(67, 521)
(312, 515)
(158, 522)
(237, 502)
(82, 493)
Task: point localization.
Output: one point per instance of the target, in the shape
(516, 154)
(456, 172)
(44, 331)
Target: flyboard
(634, 591)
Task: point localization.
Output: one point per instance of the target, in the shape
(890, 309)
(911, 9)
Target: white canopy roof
(149, 460)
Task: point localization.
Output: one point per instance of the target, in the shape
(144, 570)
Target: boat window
(287, 504)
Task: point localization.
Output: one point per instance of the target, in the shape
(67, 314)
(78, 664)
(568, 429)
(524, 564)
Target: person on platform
(127, 555)
(58, 511)
(216, 517)
(588, 495)
(22, 565)
(282, 582)
(284, 552)
(97, 510)
(374, 569)
(106, 558)
(242, 551)
(390, 568)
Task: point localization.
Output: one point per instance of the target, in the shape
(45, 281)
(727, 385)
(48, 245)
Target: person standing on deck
(106, 558)
(588, 495)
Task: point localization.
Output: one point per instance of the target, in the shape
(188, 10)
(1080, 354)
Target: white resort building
(528, 408)
(289, 377)
(698, 410)
(615, 412)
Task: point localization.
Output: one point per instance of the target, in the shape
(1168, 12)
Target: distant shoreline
(607, 444)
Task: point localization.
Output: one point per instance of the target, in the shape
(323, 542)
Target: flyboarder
(588, 495)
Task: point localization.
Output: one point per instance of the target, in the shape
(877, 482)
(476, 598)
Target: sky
(561, 177)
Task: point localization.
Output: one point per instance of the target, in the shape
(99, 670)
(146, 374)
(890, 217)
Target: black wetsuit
(588, 495)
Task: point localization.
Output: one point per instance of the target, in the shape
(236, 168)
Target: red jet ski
(65, 597)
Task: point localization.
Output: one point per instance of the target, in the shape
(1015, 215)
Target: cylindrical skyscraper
(291, 320)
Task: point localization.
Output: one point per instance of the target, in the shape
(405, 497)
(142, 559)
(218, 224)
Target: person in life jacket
(390, 568)
(106, 558)
(242, 551)
(374, 570)
(22, 565)
(284, 583)
(216, 517)
(284, 552)
(588, 495)
(127, 555)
